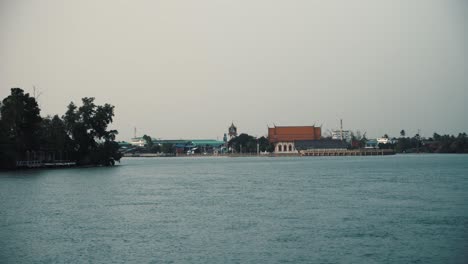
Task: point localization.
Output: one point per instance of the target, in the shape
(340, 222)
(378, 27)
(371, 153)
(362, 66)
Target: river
(385, 209)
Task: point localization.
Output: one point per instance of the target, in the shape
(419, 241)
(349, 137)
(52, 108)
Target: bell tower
(232, 131)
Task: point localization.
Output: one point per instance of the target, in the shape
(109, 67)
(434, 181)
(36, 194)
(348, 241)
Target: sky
(187, 69)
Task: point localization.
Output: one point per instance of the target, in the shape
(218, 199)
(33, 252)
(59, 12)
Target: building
(340, 134)
(192, 146)
(320, 144)
(232, 131)
(138, 142)
(371, 144)
(284, 137)
(209, 145)
(344, 135)
(385, 140)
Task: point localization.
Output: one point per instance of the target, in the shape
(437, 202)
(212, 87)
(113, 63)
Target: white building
(337, 134)
(285, 147)
(138, 142)
(385, 141)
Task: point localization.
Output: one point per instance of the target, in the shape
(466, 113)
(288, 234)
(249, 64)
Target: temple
(284, 137)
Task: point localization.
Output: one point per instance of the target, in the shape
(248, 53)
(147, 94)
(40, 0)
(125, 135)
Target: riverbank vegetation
(81, 135)
(435, 144)
(245, 143)
(418, 144)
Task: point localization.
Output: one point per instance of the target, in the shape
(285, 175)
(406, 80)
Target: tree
(168, 148)
(243, 143)
(87, 126)
(21, 120)
(363, 140)
(265, 145)
(55, 139)
(81, 135)
(7, 147)
(155, 148)
(402, 133)
(149, 141)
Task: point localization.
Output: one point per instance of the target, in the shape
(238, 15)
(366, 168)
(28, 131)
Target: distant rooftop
(196, 142)
(292, 133)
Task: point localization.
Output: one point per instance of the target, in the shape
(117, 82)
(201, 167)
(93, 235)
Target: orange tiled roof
(291, 133)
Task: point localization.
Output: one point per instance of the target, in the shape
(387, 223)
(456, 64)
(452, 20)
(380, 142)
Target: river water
(391, 209)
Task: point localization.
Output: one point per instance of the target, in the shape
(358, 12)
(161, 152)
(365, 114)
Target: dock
(40, 164)
(347, 152)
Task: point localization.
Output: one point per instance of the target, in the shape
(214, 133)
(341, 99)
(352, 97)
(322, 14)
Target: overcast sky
(187, 69)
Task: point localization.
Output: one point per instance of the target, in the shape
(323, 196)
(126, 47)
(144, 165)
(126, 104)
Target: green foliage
(149, 142)
(402, 133)
(87, 127)
(248, 144)
(81, 135)
(21, 120)
(436, 144)
(448, 143)
(386, 146)
(54, 138)
(168, 148)
(7, 147)
(265, 145)
(155, 149)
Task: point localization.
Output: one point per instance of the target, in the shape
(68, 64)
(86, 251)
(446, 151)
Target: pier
(40, 164)
(347, 152)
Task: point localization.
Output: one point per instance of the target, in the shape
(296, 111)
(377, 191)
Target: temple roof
(291, 133)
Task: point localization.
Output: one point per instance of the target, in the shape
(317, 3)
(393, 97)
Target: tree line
(81, 135)
(404, 144)
(245, 143)
(435, 144)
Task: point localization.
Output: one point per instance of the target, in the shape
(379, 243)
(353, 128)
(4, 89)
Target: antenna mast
(341, 129)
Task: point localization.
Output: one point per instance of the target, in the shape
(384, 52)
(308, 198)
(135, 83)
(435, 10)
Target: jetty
(346, 152)
(40, 164)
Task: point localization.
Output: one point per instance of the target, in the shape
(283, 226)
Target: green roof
(123, 143)
(197, 142)
(171, 141)
(205, 142)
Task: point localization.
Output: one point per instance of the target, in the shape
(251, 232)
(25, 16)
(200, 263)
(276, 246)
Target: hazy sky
(186, 69)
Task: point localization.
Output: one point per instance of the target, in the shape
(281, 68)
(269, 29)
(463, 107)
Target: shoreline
(211, 156)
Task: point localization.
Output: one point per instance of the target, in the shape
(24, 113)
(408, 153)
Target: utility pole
(419, 140)
(134, 132)
(341, 129)
(36, 96)
(258, 148)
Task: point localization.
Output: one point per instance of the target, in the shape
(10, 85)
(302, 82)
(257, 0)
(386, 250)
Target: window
(290, 147)
(280, 148)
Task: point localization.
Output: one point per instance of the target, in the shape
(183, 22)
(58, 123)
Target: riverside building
(284, 137)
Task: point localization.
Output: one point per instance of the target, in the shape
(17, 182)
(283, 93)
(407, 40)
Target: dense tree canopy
(81, 135)
(248, 144)
(21, 119)
(435, 144)
(87, 127)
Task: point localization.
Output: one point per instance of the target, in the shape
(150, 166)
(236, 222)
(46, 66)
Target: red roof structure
(292, 133)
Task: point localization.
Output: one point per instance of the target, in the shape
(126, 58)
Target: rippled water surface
(395, 209)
